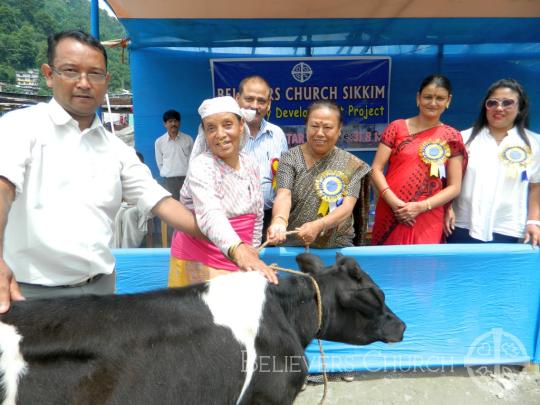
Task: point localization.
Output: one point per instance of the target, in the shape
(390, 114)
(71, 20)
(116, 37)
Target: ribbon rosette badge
(435, 153)
(274, 166)
(516, 157)
(331, 187)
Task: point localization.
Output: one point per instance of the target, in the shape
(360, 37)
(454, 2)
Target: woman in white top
(500, 193)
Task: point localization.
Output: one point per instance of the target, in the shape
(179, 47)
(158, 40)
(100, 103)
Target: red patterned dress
(408, 175)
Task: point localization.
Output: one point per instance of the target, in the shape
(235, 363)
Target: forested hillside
(25, 25)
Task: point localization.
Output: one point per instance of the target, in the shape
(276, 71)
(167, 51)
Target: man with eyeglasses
(62, 180)
(267, 141)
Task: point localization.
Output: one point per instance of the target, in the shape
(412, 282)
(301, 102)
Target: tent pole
(440, 57)
(94, 18)
(94, 30)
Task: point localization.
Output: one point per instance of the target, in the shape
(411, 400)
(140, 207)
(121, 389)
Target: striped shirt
(216, 192)
(269, 143)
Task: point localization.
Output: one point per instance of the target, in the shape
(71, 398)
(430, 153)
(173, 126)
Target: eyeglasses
(74, 76)
(259, 100)
(505, 103)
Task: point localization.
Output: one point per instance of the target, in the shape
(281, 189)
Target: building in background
(28, 81)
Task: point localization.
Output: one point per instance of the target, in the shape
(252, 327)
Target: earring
(447, 106)
(417, 104)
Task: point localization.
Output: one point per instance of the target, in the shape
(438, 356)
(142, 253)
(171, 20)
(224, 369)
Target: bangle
(282, 218)
(384, 191)
(428, 204)
(232, 250)
(533, 222)
(323, 227)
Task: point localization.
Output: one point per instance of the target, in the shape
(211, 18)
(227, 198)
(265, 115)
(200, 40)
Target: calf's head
(354, 310)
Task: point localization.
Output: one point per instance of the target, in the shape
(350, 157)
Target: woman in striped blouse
(222, 187)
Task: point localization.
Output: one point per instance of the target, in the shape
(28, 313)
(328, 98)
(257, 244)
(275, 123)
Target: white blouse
(493, 195)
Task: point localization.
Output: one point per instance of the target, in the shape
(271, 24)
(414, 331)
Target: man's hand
(247, 258)
(9, 289)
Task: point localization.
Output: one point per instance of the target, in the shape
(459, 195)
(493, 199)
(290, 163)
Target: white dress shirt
(172, 155)
(493, 195)
(69, 186)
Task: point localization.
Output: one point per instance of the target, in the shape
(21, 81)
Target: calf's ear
(309, 263)
(349, 265)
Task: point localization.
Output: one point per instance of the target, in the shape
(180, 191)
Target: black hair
(171, 114)
(256, 78)
(522, 118)
(438, 80)
(78, 35)
(330, 104)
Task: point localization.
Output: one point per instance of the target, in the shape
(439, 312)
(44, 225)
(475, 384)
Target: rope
(266, 243)
(319, 320)
(319, 311)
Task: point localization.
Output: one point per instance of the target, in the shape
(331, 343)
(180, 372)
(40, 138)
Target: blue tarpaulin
(463, 304)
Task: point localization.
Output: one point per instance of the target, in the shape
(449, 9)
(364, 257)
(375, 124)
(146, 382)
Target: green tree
(45, 23)
(7, 74)
(26, 24)
(26, 49)
(9, 19)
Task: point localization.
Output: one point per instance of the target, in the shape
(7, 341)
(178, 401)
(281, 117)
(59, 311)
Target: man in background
(267, 141)
(173, 149)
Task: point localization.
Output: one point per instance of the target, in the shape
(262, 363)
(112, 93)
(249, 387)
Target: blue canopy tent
(473, 42)
(448, 295)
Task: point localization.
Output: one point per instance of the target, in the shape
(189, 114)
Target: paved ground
(508, 385)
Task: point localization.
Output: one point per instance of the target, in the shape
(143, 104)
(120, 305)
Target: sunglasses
(505, 103)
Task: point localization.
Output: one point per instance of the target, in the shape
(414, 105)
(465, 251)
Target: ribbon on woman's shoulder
(435, 153)
(331, 187)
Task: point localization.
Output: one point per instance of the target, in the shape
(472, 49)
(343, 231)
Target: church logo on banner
(359, 85)
(301, 72)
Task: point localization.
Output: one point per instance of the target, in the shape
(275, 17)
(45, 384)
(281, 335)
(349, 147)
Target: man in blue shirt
(267, 141)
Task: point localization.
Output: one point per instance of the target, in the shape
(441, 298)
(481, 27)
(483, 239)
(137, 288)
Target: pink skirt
(186, 247)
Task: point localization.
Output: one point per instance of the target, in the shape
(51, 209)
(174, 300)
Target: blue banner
(361, 86)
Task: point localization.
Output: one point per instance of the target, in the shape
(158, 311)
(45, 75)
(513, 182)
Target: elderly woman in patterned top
(222, 187)
(319, 186)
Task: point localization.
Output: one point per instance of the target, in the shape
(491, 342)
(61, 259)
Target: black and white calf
(234, 340)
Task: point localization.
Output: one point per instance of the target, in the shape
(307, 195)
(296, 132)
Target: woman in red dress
(426, 161)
